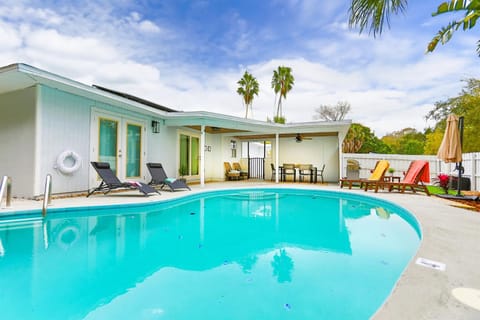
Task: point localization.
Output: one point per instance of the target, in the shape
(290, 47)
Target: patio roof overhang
(241, 128)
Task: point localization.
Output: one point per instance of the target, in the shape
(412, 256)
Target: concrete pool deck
(451, 236)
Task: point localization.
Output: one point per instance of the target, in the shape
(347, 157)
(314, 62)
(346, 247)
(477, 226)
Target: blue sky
(188, 55)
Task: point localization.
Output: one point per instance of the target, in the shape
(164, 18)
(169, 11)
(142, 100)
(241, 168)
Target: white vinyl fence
(400, 162)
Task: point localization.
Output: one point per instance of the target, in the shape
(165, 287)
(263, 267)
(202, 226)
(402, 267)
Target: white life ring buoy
(66, 168)
(67, 236)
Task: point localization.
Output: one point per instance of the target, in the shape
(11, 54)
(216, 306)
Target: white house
(53, 125)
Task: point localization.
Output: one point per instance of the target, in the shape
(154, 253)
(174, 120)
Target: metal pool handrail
(6, 186)
(46, 194)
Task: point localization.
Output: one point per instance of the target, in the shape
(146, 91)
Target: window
(256, 149)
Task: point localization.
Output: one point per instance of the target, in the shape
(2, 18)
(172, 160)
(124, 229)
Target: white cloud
(389, 82)
(9, 38)
(36, 15)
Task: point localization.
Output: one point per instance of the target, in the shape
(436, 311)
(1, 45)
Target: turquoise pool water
(245, 254)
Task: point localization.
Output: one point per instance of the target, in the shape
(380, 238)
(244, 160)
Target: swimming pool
(233, 254)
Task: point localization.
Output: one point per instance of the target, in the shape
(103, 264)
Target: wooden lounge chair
(374, 180)
(418, 172)
(160, 178)
(110, 181)
(231, 174)
(238, 167)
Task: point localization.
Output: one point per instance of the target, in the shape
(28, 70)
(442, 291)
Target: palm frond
(373, 14)
(472, 13)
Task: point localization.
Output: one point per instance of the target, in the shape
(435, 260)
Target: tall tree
(332, 113)
(466, 104)
(282, 83)
(405, 141)
(248, 89)
(361, 139)
(373, 14)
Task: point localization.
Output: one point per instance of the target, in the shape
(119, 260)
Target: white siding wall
(214, 158)
(162, 148)
(17, 140)
(65, 125)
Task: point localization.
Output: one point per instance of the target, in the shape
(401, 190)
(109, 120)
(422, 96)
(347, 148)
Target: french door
(119, 141)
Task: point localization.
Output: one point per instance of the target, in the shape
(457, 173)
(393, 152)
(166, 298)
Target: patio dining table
(296, 170)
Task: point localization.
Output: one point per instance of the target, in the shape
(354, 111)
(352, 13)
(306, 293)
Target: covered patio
(263, 145)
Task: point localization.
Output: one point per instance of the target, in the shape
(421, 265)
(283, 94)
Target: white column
(340, 158)
(202, 156)
(277, 146)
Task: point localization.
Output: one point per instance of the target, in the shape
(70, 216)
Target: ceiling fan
(299, 138)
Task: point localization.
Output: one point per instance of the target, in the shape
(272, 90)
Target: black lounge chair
(160, 178)
(110, 181)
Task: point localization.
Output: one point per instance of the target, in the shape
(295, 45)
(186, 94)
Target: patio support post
(202, 156)
(277, 146)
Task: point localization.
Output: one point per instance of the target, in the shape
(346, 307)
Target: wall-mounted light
(155, 126)
(233, 146)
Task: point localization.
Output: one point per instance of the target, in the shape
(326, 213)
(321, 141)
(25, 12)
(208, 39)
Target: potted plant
(443, 180)
(391, 171)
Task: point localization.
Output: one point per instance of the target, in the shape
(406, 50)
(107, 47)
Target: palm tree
(373, 14)
(248, 89)
(282, 82)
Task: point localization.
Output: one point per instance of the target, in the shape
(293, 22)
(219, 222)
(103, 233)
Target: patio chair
(305, 170)
(288, 169)
(375, 179)
(320, 174)
(238, 167)
(160, 178)
(273, 171)
(110, 181)
(230, 174)
(418, 172)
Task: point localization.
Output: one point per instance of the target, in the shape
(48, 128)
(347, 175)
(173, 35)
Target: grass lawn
(438, 190)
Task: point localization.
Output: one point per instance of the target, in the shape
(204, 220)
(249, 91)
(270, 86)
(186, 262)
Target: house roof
(20, 76)
(134, 98)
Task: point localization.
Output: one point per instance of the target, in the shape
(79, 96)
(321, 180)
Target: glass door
(189, 155)
(194, 168)
(134, 150)
(119, 141)
(108, 142)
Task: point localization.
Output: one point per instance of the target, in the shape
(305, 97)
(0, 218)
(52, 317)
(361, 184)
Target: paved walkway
(451, 236)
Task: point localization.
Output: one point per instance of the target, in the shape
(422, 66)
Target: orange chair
(418, 172)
